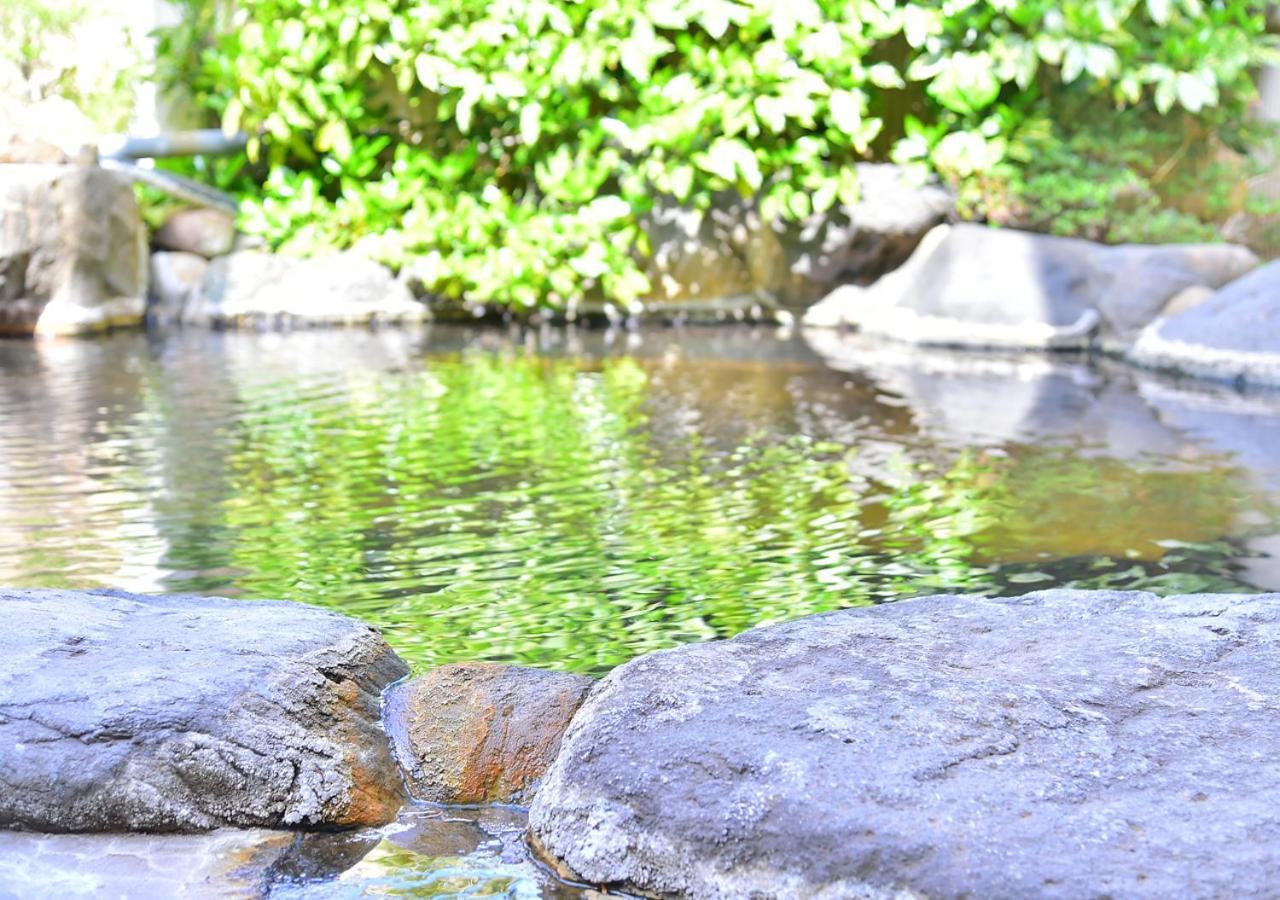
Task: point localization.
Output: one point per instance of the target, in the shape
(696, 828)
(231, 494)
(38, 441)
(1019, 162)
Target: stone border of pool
(77, 250)
(1064, 743)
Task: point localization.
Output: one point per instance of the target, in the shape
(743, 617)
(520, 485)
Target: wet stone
(477, 732)
(1062, 744)
(136, 713)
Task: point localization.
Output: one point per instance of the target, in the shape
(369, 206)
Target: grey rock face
(206, 232)
(73, 255)
(1062, 744)
(249, 287)
(973, 286)
(481, 733)
(731, 252)
(176, 278)
(1232, 336)
(122, 712)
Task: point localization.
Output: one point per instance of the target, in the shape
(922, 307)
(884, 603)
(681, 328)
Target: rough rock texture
(970, 285)
(1232, 336)
(176, 278)
(732, 253)
(1062, 744)
(480, 733)
(123, 712)
(249, 287)
(73, 254)
(206, 232)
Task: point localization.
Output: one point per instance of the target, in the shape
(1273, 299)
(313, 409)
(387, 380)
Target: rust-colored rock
(479, 732)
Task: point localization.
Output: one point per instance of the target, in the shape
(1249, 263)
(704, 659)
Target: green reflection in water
(516, 508)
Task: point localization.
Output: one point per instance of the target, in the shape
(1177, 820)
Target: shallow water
(572, 499)
(429, 851)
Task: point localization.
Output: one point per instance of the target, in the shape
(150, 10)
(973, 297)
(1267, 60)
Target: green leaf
(530, 123)
(732, 160)
(885, 75)
(1196, 90)
(846, 110)
(965, 83)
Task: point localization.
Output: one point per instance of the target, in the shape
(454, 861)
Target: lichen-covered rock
(73, 252)
(974, 286)
(1233, 336)
(731, 252)
(124, 712)
(481, 733)
(206, 232)
(249, 287)
(1062, 744)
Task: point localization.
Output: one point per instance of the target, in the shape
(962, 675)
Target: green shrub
(71, 49)
(511, 147)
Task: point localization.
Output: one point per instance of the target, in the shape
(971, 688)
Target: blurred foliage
(510, 149)
(1124, 176)
(56, 48)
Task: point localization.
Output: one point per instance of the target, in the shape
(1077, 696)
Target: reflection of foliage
(511, 148)
(519, 509)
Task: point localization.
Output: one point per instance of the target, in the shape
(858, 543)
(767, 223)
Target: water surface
(571, 499)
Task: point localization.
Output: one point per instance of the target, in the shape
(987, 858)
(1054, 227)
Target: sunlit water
(570, 500)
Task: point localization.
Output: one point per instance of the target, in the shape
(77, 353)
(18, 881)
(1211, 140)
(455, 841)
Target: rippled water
(572, 499)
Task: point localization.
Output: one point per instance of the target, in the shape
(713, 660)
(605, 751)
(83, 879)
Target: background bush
(511, 147)
(75, 50)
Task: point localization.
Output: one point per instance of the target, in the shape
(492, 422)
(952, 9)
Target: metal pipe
(205, 142)
(172, 184)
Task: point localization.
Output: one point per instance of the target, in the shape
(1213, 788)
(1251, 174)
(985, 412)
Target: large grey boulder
(731, 252)
(250, 287)
(1232, 336)
(1062, 744)
(123, 712)
(972, 286)
(73, 250)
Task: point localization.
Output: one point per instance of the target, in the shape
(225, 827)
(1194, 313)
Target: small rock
(481, 733)
(124, 712)
(1233, 336)
(1062, 744)
(206, 232)
(175, 279)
